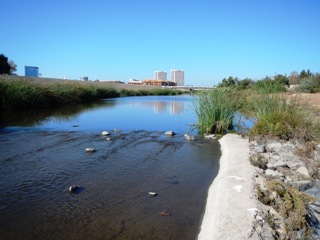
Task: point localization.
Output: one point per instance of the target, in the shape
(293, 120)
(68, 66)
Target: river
(43, 153)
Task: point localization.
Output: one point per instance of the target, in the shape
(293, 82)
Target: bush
(259, 161)
(310, 84)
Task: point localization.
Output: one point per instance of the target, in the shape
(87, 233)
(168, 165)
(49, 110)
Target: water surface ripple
(37, 167)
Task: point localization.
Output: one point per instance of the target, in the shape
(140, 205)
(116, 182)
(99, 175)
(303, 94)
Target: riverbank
(30, 93)
(231, 210)
(266, 189)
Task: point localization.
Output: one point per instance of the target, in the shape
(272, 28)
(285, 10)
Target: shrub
(259, 161)
(310, 84)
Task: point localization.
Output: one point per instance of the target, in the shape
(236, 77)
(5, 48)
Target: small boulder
(169, 133)
(273, 173)
(209, 136)
(105, 133)
(189, 137)
(152, 194)
(90, 150)
(73, 188)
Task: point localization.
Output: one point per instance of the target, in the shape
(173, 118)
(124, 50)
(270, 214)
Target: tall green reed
(216, 109)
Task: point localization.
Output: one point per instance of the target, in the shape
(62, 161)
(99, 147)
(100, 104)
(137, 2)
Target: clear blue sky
(122, 39)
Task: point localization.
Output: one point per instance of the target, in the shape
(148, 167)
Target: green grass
(23, 93)
(216, 109)
(274, 115)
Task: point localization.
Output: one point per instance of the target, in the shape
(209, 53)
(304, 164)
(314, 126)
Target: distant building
(158, 82)
(84, 78)
(177, 76)
(31, 71)
(160, 75)
(133, 81)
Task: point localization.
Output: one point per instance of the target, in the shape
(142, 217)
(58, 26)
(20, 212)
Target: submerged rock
(189, 137)
(209, 136)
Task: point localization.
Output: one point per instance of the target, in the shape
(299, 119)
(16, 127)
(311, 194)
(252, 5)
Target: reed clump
(216, 109)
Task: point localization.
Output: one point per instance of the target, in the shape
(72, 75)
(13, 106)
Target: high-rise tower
(177, 76)
(160, 75)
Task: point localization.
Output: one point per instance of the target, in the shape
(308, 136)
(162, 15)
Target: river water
(43, 153)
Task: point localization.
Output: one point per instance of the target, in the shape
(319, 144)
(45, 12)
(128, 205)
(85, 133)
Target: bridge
(191, 87)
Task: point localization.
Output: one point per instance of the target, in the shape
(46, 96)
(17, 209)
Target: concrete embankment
(231, 210)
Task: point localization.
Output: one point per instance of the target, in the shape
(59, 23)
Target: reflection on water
(37, 117)
(155, 113)
(174, 106)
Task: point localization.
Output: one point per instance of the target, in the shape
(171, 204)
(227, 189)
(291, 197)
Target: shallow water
(37, 165)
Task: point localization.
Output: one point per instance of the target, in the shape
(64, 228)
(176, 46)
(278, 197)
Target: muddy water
(38, 165)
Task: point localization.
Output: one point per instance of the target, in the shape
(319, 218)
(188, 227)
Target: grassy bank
(274, 115)
(22, 92)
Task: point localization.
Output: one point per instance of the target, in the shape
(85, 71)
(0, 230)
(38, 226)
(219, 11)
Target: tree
(281, 79)
(230, 82)
(305, 74)
(13, 67)
(4, 65)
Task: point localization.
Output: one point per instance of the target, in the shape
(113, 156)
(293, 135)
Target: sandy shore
(231, 205)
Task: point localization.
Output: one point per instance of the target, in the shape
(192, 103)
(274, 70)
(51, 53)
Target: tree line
(307, 81)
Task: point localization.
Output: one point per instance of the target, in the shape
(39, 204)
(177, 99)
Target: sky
(122, 39)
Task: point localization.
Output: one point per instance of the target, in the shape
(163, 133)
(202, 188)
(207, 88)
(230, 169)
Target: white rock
(169, 133)
(273, 173)
(105, 133)
(90, 149)
(153, 194)
(209, 136)
(303, 171)
(189, 137)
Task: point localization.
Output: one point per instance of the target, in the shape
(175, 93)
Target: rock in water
(90, 149)
(170, 133)
(105, 133)
(73, 188)
(152, 194)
